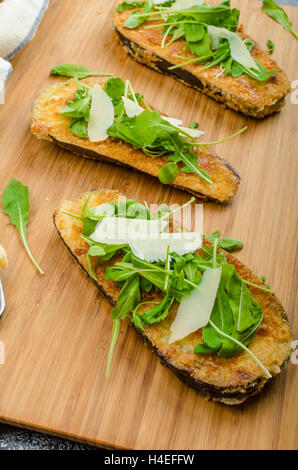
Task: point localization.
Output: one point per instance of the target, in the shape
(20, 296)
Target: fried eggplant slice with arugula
(210, 362)
(202, 46)
(131, 134)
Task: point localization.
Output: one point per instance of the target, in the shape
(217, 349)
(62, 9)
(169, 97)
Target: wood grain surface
(56, 328)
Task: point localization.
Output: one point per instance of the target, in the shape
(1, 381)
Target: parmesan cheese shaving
(156, 248)
(239, 51)
(121, 230)
(195, 309)
(101, 115)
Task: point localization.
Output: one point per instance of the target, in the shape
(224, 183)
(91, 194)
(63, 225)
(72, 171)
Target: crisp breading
(49, 124)
(244, 94)
(231, 380)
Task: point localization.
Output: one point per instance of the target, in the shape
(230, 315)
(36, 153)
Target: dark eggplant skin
(230, 395)
(231, 94)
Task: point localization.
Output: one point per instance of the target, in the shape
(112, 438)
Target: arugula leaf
(129, 5)
(115, 88)
(261, 74)
(202, 47)
(156, 136)
(271, 46)
(127, 299)
(75, 71)
(155, 315)
(228, 244)
(134, 20)
(77, 109)
(278, 14)
(103, 250)
(168, 173)
(15, 201)
(194, 32)
(79, 127)
(194, 125)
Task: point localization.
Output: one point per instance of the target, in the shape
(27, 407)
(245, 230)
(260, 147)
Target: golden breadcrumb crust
(49, 124)
(230, 380)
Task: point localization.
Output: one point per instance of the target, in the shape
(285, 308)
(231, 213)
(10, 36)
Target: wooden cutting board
(56, 328)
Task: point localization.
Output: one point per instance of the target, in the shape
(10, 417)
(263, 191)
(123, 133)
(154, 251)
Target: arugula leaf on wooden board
(278, 14)
(15, 201)
(75, 71)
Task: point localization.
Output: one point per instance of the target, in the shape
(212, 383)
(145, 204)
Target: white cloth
(19, 20)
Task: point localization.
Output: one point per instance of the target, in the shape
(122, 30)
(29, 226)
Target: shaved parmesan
(121, 230)
(177, 123)
(195, 309)
(192, 132)
(156, 248)
(132, 108)
(239, 51)
(101, 115)
(173, 121)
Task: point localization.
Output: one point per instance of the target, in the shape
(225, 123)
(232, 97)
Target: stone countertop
(12, 438)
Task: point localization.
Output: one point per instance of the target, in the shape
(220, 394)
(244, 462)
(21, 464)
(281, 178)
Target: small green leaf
(278, 14)
(75, 71)
(129, 5)
(79, 127)
(228, 244)
(168, 173)
(134, 21)
(271, 46)
(115, 88)
(15, 201)
(194, 125)
(77, 109)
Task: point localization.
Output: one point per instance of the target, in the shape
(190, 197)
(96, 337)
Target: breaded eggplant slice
(244, 94)
(49, 124)
(230, 381)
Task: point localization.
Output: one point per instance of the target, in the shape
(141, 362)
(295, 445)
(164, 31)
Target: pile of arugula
(147, 131)
(192, 24)
(235, 316)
